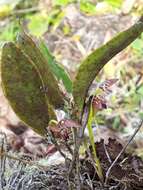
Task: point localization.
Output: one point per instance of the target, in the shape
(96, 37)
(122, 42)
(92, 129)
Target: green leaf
(93, 64)
(9, 32)
(116, 4)
(87, 7)
(62, 2)
(56, 68)
(38, 23)
(141, 115)
(28, 46)
(22, 84)
(116, 123)
(137, 45)
(140, 90)
(56, 18)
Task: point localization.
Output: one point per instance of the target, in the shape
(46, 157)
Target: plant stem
(91, 137)
(78, 138)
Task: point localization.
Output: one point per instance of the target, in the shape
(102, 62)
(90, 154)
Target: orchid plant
(31, 78)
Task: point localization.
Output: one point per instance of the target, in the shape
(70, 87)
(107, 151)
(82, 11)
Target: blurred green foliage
(40, 20)
(115, 4)
(9, 32)
(62, 2)
(137, 46)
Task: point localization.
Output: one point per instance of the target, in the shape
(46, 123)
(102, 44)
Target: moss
(53, 93)
(21, 83)
(91, 66)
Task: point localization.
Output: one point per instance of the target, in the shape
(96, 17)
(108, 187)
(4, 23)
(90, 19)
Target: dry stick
(78, 172)
(107, 154)
(122, 151)
(68, 148)
(89, 181)
(78, 140)
(74, 157)
(77, 158)
(2, 165)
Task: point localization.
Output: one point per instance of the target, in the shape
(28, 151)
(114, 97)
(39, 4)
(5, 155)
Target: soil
(127, 173)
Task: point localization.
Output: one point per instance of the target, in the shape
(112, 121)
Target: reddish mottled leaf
(99, 99)
(101, 88)
(107, 84)
(99, 103)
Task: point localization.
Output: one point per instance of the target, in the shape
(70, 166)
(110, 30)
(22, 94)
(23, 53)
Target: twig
(89, 181)
(85, 115)
(2, 164)
(78, 173)
(106, 152)
(122, 151)
(68, 148)
(75, 161)
(78, 137)
(16, 177)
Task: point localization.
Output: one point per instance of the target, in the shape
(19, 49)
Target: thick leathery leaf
(91, 66)
(22, 84)
(56, 68)
(29, 47)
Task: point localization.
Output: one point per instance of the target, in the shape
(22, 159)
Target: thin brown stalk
(122, 151)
